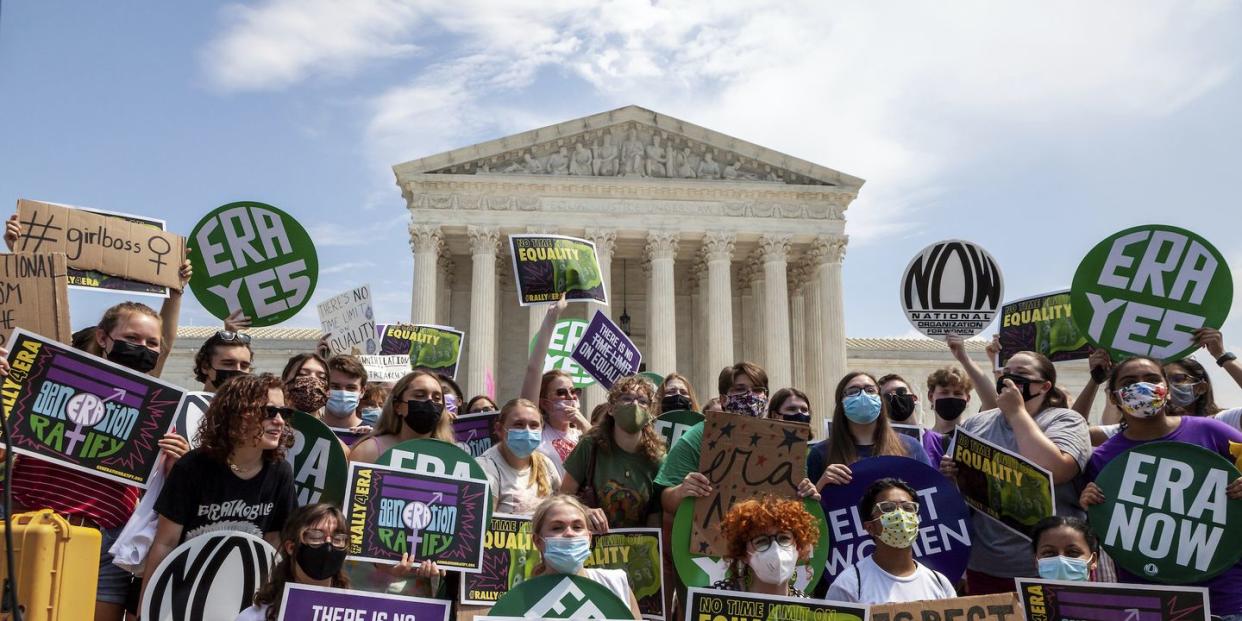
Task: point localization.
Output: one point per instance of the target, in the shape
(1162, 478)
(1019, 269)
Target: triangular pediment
(628, 142)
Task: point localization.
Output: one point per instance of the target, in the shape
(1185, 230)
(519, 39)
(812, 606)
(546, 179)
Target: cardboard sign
(434, 348)
(672, 425)
(545, 267)
(1166, 516)
(394, 512)
(561, 596)
(743, 458)
(190, 415)
(83, 412)
(212, 576)
(303, 602)
(475, 433)
(318, 461)
(385, 368)
(1053, 600)
(349, 321)
(945, 530)
(999, 607)
(1001, 484)
(95, 280)
(565, 337)
(1044, 324)
(1145, 290)
(715, 604)
(97, 242)
(605, 352)
(34, 295)
(254, 257)
(951, 287)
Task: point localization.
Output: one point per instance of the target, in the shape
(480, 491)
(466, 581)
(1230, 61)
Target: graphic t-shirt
(513, 491)
(622, 481)
(203, 495)
(557, 445)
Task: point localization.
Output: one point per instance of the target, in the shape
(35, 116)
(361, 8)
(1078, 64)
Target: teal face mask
(862, 408)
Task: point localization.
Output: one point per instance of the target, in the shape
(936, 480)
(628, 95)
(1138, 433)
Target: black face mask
(900, 406)
(133, 356)
(797, 418)
(674, 403)
(224, 375)
(1023, 384)
(422, 416)
(949, 408)
(319, 562)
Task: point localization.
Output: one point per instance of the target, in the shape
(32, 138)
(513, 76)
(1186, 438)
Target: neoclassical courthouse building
(713, 250)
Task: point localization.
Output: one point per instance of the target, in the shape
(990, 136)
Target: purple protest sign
(303, 602)
(945, 529)
(606, 352)
(473, 432)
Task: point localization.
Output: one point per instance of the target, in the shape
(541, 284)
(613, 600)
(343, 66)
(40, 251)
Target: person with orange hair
(766, 539)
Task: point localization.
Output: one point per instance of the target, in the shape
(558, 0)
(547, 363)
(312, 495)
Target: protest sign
(386, 369)
(1145, 290)
(509, 556)
(34, 295)
(475, 433)
(1235, 449)
(545, 267)
(83, 412)
(718, 605)
(212, 576)
(349, 322)
(565, 337)
(318, 461)
(945, 529)
(102, 243)
(95, 280)
(190, 414)
(704, 570)
(1001, 484)
(1044, 324)
(639, 553)
(914, 431)
(434, 348)
(1054, 600)
(743, 458)
(394, 512)
(605, 352)
(430, 456)
(304, 602)
(951, 287)
(672, 424)
(561, 596)
(1166, 516)
(253, 257)
(998, 607)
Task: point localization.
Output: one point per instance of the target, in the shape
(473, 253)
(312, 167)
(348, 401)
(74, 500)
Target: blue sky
(1034, 128)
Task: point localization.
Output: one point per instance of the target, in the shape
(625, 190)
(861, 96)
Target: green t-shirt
(622, 481)
(682, 459)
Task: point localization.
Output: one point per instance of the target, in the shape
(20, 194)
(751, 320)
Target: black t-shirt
(203, 495)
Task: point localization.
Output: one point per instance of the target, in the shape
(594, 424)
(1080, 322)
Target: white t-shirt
(512, 490)
(881, 587)
(615, 579)
(557, 445)
(253, 613)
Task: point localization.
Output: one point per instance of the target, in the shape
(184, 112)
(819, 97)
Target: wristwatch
(1225, 359)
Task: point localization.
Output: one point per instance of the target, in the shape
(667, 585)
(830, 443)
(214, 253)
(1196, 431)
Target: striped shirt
(39, 484)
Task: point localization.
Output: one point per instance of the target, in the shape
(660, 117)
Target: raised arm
(984, 384)
(1214, 342)
(1100, 364)
(170, 315)
(534, 367)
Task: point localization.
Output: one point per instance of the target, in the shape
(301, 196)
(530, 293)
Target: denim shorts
(113, 581)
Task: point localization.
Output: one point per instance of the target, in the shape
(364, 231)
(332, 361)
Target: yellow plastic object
(58, 567)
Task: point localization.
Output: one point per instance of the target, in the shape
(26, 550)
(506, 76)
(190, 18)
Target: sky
(1033, 128)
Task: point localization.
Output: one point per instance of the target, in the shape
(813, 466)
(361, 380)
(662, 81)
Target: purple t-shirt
(933, 444)
(1212, 435)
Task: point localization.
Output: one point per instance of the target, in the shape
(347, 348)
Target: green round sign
(1166, 516)
(430, 456)
(653, 377)
(318, 459)
(672, 424)
(1145, 290)
(697, 570)
(560, 349)
(561, 596)
(254, 257)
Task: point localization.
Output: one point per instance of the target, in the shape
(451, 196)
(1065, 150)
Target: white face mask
(775, 565)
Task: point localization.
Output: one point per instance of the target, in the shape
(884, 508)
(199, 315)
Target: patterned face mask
(900, 528)
(307, 393)
(747, 403)
(1142, 399)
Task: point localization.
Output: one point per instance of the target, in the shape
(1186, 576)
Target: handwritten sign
(1001, 484)
(549, 266)
(385, 368)
(431, 347)
(349, 321)
(34, 295)
(999, 607)
(606, 352)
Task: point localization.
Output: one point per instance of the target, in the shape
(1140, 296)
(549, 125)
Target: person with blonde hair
(559, 531)
(765, 540)
(414, 410)
(519, 475)
(675, 393)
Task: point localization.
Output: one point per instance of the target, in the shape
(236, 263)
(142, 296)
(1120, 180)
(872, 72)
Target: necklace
(238, 469)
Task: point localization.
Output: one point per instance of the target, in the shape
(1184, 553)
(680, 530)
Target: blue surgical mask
(523, 442)
(862, 408)
(1180, 395)
(1064, 568)
(342, 402)
(370, 416)
(565, 555)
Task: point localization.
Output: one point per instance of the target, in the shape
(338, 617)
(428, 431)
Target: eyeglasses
(853, 391)
(889, 506)
(763, 542)
(630, 399)
(1183, 378)
(272, 411)
(488, 410)
(316, 537)
(229, 336)
(901, 390)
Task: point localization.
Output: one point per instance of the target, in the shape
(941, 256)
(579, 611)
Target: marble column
(758, 294)
(426, 241)
(797, 325)
(698, 324)
(718, 251)
(481, 339)
(445, 269)
(828, 327)
(775, 253)
(605, 241)
(746, 310)
(661, 250)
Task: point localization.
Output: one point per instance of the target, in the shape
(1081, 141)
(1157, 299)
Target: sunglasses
(229, 336)
(565, 393)
(272, 411)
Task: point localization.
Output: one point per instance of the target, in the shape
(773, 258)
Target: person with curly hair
(766, 539)
(559, 531)
(311, 551)
(889, 511)
(618, 459)
(237, 479)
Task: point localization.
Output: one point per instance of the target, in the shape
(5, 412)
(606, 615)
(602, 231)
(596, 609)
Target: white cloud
(340, 234)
